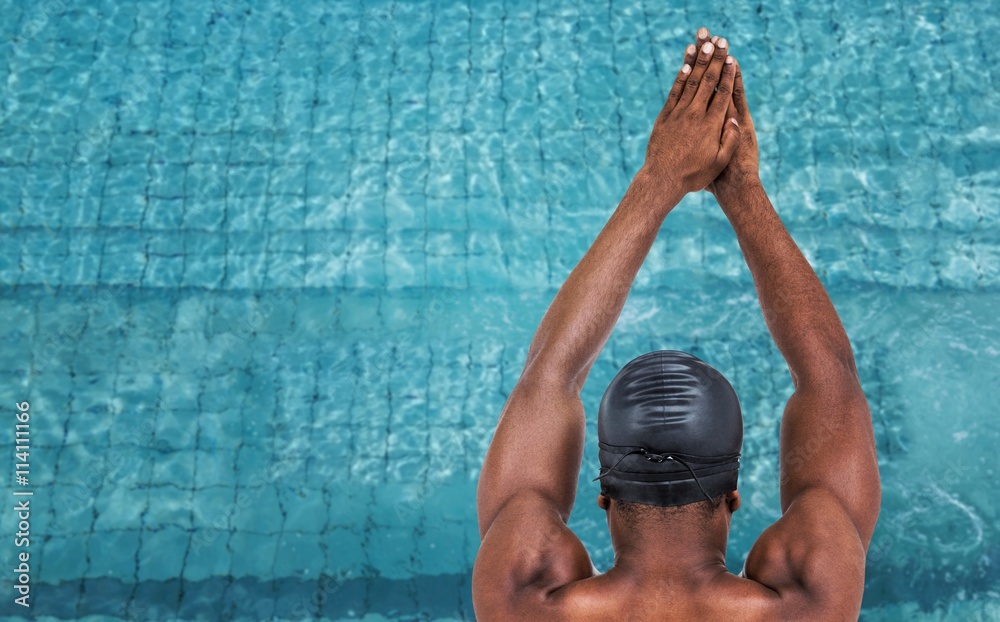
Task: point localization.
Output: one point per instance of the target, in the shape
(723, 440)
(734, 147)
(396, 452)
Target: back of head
(670, 431)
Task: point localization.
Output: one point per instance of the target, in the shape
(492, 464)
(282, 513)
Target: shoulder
(527, 554)
(813, 557)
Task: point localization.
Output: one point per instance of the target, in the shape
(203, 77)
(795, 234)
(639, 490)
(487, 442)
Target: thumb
(730, 140)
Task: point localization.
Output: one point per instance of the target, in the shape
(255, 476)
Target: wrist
(735, 185)
(664, 191)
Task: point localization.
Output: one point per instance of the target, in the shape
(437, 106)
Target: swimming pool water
(269, 270)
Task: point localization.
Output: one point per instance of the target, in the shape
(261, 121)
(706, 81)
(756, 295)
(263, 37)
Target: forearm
(580, 319)
(802, 320)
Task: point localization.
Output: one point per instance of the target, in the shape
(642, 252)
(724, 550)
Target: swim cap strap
(608, 472)
(688, 466)
(656, 458)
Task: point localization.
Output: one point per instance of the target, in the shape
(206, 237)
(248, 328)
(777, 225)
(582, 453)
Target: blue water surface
(269, 270)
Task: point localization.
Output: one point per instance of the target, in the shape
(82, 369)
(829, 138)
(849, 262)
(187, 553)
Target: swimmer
(670, 428)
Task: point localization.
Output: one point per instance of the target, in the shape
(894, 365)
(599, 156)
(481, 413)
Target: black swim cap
(670, 431)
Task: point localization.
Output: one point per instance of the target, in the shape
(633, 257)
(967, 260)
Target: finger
(701, 63)
(723, 94)
(739, 96)
(701, 37)
(676, 90)
(678, 87)
(689, 54)
(730, 140)
(710, 80)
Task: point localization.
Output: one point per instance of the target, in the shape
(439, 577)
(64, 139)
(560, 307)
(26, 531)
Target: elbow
(845, 359)
(827, 365)
(548, 374)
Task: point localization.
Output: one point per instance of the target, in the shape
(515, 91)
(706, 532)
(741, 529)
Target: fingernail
(707, 48)
(690, 49)
(729, 60)
(735, 122)
(723, 43)
(715, 39)
(686, 68)
(702, 32)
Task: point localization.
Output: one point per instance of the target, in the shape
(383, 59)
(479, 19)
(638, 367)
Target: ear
(603, 502)
(733, 501)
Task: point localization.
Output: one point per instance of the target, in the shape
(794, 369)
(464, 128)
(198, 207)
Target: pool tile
(113, 556)
(253, 554)
(64, 558)
(174, 467)
(161, 554)
(169, 505)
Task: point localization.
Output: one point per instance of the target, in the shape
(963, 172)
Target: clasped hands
(704, 137)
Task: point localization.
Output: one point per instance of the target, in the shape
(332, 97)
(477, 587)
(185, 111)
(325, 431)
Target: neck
(683, 549)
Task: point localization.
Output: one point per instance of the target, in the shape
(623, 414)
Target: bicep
(827, 442)
(538, 446)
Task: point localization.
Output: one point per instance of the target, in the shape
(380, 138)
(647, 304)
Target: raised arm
(529, 478)
(830, 491)
(542, 422)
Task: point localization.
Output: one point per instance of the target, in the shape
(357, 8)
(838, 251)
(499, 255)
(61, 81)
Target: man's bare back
(670, 552)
